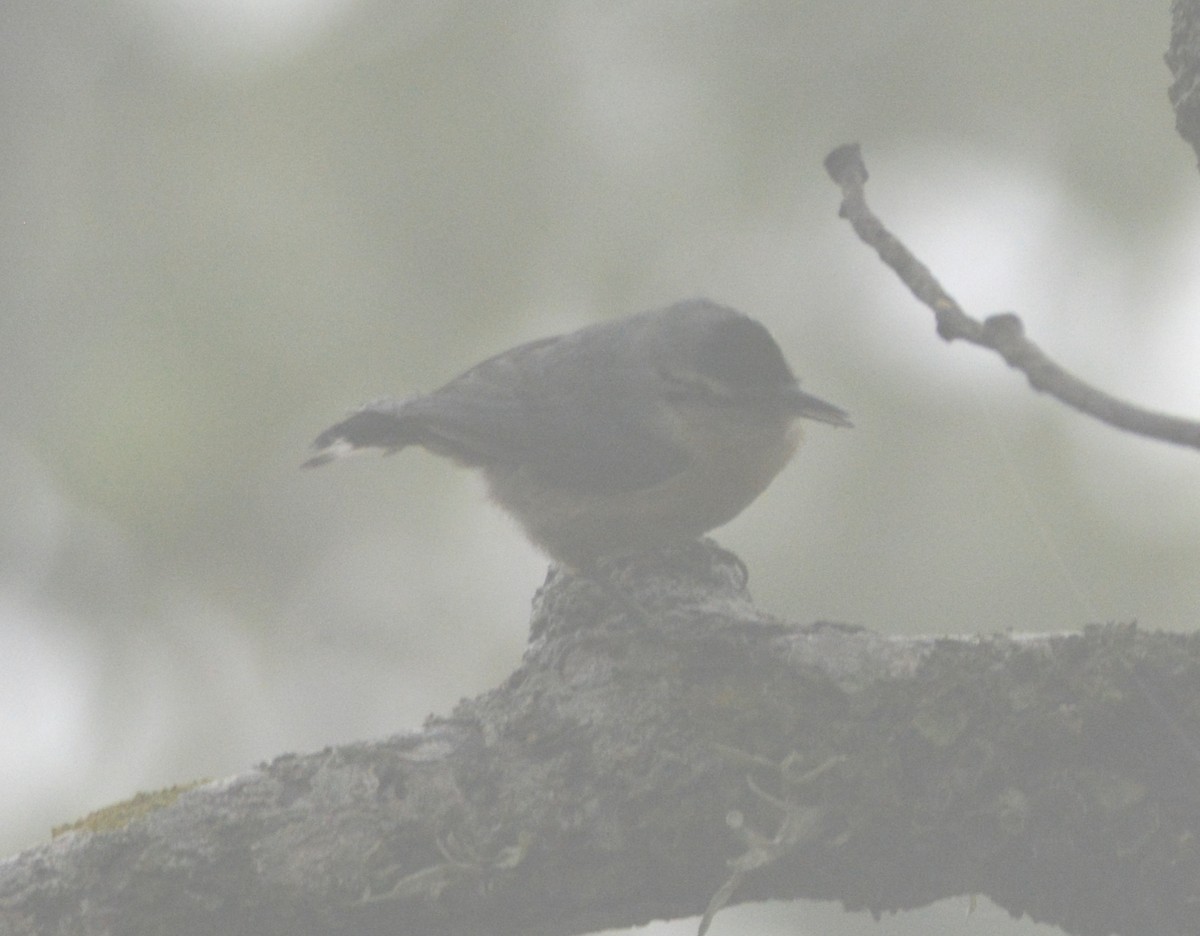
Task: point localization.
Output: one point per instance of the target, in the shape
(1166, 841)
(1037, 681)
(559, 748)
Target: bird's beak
(807, 406)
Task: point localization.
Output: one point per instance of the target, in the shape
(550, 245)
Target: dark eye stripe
(697, 387)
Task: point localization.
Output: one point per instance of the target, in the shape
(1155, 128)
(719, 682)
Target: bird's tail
(377, 425)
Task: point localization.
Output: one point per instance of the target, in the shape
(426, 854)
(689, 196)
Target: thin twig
(1002, 333)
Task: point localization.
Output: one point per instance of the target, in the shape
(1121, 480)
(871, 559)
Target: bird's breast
(730, 461)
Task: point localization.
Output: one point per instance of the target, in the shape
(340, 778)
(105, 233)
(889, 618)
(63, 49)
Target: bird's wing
(570, 426)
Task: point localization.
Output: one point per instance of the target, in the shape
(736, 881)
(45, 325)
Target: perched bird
(614, 439)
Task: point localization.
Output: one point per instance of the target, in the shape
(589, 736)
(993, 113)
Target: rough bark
(675, 744)
(1183, 59)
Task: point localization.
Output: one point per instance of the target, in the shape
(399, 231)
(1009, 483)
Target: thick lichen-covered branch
(656, 765)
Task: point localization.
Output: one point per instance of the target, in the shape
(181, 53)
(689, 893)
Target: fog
(225, 225)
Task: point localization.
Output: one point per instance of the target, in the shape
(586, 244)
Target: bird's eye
(695, 386)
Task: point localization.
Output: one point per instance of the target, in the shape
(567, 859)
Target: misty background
(225, 224)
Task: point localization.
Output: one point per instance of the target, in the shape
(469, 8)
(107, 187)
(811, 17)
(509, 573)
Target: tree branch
(1183, 59)
(639, 769)
(1002, 333)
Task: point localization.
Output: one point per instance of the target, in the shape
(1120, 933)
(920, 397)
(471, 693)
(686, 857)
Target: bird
(616, 439)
